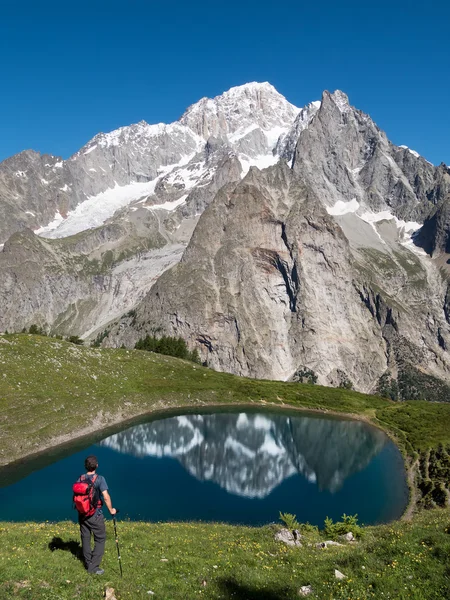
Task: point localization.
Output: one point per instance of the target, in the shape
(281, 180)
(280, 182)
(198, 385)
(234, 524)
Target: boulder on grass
(291, 538)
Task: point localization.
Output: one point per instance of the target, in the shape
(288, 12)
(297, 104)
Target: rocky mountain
(299, 232)
(251, 454)
(123, 195)
(158, 163)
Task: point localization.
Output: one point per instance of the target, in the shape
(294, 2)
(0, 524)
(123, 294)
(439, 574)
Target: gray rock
(305, 590)
(339, 575)
(328, 543)
(287, 537)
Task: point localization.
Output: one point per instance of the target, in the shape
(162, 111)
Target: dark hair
(91, 463)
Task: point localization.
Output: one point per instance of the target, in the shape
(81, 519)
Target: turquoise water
(242, 467)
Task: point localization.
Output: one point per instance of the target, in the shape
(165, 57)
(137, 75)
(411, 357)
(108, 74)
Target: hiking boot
(97, 572)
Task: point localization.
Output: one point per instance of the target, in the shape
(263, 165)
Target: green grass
(397, 561)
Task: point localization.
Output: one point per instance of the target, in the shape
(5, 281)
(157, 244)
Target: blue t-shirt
(100, 486)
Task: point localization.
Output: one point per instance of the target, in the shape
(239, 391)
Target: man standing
(95, 524)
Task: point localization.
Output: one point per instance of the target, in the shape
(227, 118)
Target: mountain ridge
(329, 272)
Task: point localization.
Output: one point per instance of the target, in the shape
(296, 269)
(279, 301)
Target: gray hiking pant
(94, 525)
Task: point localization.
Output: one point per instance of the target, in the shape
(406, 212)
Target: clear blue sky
(73, 68)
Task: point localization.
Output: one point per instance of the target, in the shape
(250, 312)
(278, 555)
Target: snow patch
(271, 447)
(184, 422)
(167, 205)
(413, 152)
(240, 133)
(273, 135)
(261, 162)
(407, 229)
(65, 188)
(190, 176)
(242, 422)
(238, 447)
(342, 208)
(58, 219)
(91, 149)
(94, 211)
(263, 423)
(97, 209)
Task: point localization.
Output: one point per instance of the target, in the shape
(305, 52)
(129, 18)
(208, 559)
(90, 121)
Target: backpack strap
(96, 492)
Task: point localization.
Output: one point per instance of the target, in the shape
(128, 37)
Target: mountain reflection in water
(251, 454)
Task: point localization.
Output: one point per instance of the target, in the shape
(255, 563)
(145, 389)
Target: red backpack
(83, 496)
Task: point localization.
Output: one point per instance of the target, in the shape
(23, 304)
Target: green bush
(289, 520)
(304, 375)
(171, 346)
(348, 523)
(99, 339)
(387, 386)
(36, 330)
(74, 339)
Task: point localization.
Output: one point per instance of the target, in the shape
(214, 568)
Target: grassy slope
(397, 561)
(46, 385)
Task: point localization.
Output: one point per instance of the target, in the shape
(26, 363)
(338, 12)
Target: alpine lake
(235, 467)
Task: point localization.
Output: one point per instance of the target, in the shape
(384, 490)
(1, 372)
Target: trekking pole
(117, 543)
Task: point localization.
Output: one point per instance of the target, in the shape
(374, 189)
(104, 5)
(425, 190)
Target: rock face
(344, 156)
(298, 231)
(73, 284)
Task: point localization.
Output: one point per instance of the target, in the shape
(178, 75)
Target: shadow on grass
(71, 546)
(237, 591)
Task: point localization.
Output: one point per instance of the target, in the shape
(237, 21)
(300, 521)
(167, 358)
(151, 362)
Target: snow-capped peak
(252, 104)
(413, 152)
(139, 133)
(143, 160)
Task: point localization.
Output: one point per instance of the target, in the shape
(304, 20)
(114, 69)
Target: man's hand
(113, 511)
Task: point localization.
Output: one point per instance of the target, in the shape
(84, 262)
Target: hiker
(90, 516)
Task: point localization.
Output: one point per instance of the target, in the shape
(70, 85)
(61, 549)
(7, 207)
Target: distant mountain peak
(338, 98)
(252, 104)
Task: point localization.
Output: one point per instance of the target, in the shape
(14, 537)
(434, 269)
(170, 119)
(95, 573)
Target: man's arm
(107, 499)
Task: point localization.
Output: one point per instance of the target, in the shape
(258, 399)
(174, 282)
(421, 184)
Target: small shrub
(289, 520)
(304, 375)
(170, 346)
(74, 339)
(36, 330)
(308, 528)
(348, 523)
(195, 356)
(387, 387)
(99, 339)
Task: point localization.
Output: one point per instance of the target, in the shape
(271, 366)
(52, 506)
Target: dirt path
(411, 474)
